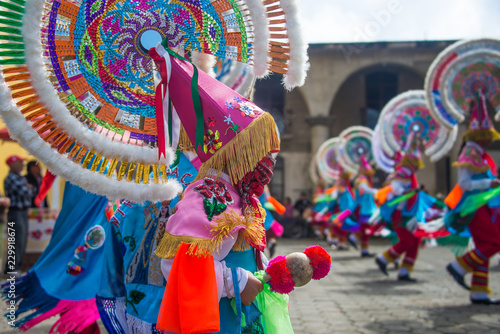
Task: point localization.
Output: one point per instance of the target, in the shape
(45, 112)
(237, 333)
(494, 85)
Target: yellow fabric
(464, 265)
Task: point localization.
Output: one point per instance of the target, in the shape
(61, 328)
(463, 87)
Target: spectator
(288, 208)
(34, 177)
(301, 205)
(19, 192)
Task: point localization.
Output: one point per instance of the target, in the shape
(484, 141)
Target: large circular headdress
(355, 142)
(326, 160)
(383, 161)
(313, 171)
(458, 73)
(409, 113)
(77, 86)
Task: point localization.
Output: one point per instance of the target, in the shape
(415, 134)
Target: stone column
(320, 130)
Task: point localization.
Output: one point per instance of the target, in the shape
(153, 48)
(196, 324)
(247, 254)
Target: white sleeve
(166, 266)
(466, 182)
(367, 189)
(223, 274)
(225, 279)
(399, 187)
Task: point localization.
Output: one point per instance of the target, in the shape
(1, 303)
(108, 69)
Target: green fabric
(12, 53)
(402, 198)
(11, 7)
(457, 244)
(15, 46)
(16, 61)
(10, 30)
(11, 15)
(11, 38)
(11, 23)
(474, 202)
(274, 308)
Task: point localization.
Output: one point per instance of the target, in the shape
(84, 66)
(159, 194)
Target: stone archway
(349, 105)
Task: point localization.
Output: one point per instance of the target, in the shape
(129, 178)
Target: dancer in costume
(406, 125)
(401, 216)
(344, 203)
(460, 82)
(365, 204)
(324, 170)
(355, 154)
(274, 230)
(217, 230)
(476, 175)
(132, 285)
(319, 219)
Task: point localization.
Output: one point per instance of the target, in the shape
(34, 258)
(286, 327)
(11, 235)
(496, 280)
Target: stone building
(347, 84)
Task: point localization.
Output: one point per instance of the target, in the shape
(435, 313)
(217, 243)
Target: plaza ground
(357, 298)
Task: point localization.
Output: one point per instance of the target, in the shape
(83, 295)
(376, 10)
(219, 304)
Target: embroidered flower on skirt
(216, 197)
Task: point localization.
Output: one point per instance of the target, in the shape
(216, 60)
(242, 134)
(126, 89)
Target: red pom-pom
(321, 261)
(281, 279)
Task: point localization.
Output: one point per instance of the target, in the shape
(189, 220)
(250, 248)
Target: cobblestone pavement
(357, 298)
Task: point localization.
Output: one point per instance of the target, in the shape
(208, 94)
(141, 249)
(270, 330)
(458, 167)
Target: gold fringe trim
(241, 155)
(224, 224)
(478, 135)
(470, 166)
(370, 172)
(184, 141)
(170, 244)
(412, 162)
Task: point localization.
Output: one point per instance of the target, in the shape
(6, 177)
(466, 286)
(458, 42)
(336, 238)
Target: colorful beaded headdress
(407, 116)
(464, 80)
(355, 150)
(77, 84)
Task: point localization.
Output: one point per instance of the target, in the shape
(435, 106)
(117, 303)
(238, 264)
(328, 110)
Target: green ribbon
(195, 95)
(11, 30)
(11, 38)
(12, 46)
(474, 202)
(15, 61)
(401, 198)
(11, 23)
(12, 53)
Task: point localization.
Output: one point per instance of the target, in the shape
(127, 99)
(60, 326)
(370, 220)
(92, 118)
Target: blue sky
(331, 21)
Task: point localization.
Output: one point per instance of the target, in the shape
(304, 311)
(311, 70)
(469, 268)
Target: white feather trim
(204, 62)
(298, 65)
(60, 114)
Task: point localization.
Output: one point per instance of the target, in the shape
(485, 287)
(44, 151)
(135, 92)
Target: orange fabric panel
(454, 197)
(190, 304)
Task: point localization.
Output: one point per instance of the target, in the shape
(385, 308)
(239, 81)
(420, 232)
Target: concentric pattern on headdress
(355, 142)
(458, 73)
(327, 160)
(407, 114)
(77, 86)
